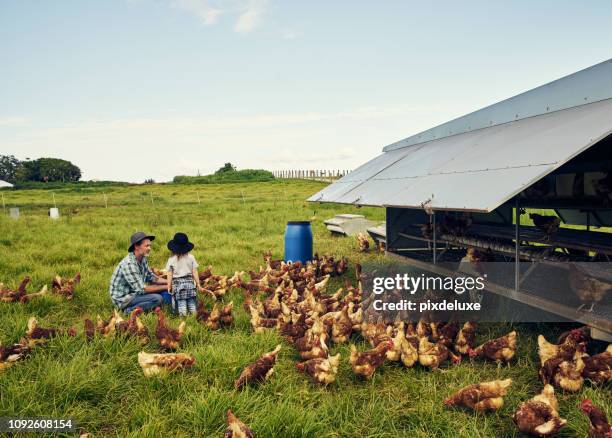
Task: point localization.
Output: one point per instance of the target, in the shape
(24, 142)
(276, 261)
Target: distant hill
(244, 175)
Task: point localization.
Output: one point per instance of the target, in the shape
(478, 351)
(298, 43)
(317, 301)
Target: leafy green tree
(48, 170)
(9, 168)
(227, 167)
(27, 171)
(54, 169)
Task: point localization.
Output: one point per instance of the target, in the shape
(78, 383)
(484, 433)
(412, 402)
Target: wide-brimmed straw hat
(137, 238)
(180, 244)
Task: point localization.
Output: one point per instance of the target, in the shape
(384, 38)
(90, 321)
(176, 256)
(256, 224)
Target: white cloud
(288, 34)
(299, 157)
(201, 9)
(249, 13)
(164, 146)
(14, 121)
(251, 16)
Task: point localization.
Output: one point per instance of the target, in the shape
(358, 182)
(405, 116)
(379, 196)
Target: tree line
(15, 171)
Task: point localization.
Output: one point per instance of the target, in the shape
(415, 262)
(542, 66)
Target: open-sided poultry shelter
(548, 148)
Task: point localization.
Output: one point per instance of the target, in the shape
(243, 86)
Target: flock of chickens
(291, 299)
(60, 286)
(34, 335)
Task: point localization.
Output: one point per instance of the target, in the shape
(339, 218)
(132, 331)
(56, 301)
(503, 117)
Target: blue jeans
(183, 307)
(145, 301)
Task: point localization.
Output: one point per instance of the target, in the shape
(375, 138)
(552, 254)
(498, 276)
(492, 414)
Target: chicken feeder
(349, 224)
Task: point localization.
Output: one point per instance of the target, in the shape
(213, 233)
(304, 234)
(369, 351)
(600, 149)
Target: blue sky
(135, 89)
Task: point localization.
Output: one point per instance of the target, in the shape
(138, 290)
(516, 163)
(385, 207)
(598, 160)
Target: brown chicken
(272, 306)
(466, 338)
(295, 327)
(19, 295)
(500, 349)
(456, 225)
(260, 324)
(342, 327)
(135, 327)
(236, 428)
(258, 371)
(341, 266)
(273, 264)
(562, 364)
(11, 296)
(447, 333)
(65, 287)
(169, 338)
(365, 363)
(312, 346)
(539, 416)
(322, 370)
(598, 368)
(356, 316)
(404, 349)
(217, 317)
(317, 328)
(599, 426)
(155, 363)
(89, 329)
(566, 349)
(433, 354)
(579, 335)
(37, 335)
(108, 327)
(481, 396)
(214, 285)
(374, 332)
(564, 373)
(587, 289)
(364, 243)
(548, 224)
(396, 334)
(225, 314)
(427, 330)
(11, 354)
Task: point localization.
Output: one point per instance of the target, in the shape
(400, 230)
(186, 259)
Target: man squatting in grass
(128, 288)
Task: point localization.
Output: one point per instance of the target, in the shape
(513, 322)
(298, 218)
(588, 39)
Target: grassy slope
(101, 385)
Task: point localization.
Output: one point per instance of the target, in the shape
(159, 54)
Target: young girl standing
(183, 279)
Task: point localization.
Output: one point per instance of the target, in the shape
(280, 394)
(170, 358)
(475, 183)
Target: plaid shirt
(128, 280)
(183, 287)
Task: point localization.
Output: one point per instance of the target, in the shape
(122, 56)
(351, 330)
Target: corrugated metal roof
(590, 85)
(478, 170)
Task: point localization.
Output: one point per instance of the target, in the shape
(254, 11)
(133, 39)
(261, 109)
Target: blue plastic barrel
(298, 241)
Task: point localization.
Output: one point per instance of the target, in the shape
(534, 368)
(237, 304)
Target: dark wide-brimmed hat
(180, 244)
(137, 238)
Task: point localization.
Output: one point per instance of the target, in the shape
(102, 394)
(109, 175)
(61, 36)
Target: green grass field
(101, 386)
